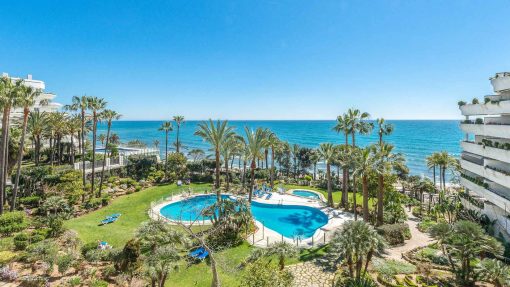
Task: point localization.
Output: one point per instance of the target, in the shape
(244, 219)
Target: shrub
(33, 281)
(6, 256)
(259, 273)
(99, 283)
(93, 203)
(461, 103)
(425, 225)
(7, 274)
(395, 234)
(73, 281)
(390, 268)
(87, 247)
(416, 211)
(56, 225)
(64, 262)
(475, 101)
(486, 100)
(433, 255)
(12, 222)
(30, 201)
(21, 241)
(479, 121)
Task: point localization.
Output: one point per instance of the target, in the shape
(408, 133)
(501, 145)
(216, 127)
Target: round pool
(288, 220)
(306, 193)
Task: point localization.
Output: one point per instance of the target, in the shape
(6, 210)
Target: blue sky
(260, 59)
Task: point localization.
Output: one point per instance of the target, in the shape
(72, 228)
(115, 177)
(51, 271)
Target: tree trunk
(3, 146)
(166, 155)
(244, 174)
(177, 140)
(20, 157)
(226, 174)
(380, 201)
(253, 166)
(104, 158)
(93, 175)
(217, 184)
(266, 152)
(354, 199)
(271, 172)
(330, 192)
(83, 152)
(366, 214)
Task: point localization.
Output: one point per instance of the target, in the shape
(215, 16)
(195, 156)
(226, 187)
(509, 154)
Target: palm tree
(327, 152)
(81, 104)
(358, 123)
(272, 142)
(432, 163)
(215, 134)
(280, 250)
(345, 160)
(37, 122)
(356, 244)
(384, 129)
(27, 100)
(155, 143)
(196, 154)
(385, 160)
(101, 139)
(73, 127)
(226, 150)
(96, 105)
(494, 271)
(343, 125)
(115, 139)
(255, 144)
(363, 168)
(166, 127)
(315, 158)
(179, 120)
(108, 116)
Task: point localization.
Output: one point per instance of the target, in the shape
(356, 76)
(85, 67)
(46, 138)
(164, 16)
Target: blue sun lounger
(110, 219)
(269, 196)
(200, 253)
(115, 215)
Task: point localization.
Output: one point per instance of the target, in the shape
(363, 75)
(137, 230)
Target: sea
(415, 139)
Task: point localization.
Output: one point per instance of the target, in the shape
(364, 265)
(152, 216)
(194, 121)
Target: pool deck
(265, 236)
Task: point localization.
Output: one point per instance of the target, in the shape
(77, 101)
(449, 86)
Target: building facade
(485, 159)
(50, 106)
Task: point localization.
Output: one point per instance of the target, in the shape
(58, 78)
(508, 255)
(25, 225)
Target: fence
(264, 237)
(111, 163)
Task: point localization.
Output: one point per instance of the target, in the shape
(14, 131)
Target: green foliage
(262, 274)
(73, 281)
(156, 176)
(11, 222)
(30, 201)
(356, 282)
(433, 255)
(395, 234)
(33, 281)
(390, 268)
(494, 271)
(98, 283)
(140, 166)
(393, 207)
(177, 168)
(128, 261)
(21, 241)
(70, 186)
(6, 257)
(56, 205)
(64, 262)
(426, 224)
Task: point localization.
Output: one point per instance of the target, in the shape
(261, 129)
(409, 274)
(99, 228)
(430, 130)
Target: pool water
(288, 220)
(306, 193)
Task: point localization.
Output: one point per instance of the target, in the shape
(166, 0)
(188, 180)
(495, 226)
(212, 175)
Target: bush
(21, 241)
(87, 247)
(7, 274)
(425, 225)
(6, 257)
(390, 268)
(30, 201)
(479, 121)
(64, 262)
(433, 255)
(93, 203)
(395, 234)
(33, 281)
(73, 281)
(98, 283)
(262, 274)
(12, 222)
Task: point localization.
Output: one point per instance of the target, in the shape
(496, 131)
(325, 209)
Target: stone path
(418, 239)
(310, 274)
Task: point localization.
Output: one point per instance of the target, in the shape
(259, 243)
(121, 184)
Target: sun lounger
(115, 215)
(109, 220)
(269, 196)
(200, 253)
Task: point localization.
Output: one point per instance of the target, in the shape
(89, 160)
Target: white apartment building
(485, 159)
(38, 84)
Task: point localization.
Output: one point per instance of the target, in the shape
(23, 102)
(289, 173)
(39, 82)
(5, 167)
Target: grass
(336, 195)
(134, 207)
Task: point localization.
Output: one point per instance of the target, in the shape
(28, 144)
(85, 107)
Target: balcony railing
(472, 159)
(498, 170)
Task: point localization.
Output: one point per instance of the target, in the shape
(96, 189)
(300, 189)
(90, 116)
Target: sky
(260, 60)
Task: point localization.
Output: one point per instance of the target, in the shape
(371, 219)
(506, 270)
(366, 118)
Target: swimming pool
(288, 220)
(306, 193)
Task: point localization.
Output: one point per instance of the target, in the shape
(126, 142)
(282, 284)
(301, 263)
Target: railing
(111, 163)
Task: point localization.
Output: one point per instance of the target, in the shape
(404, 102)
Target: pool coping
(264, 236)
(321, 196)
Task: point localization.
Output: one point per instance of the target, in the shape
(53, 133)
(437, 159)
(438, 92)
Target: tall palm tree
(295, 148)
(344, 159)
(358, 123)
(155, 143)
(315, 158)
(215, 135)
(108, 116)
(179, 120)
(432, 163)
(226, 150)
(101, 138)
(384, 129)
(385, 160)
(327, 152)
(96, 106)
(73, 127)
(37, 122)
(27, 99)
(364, 167)
(9, 95)
(166, 127)
(81, 104)
(255, 144)
(343, 125)
(115, 139)
(196, 154)
(272, 142)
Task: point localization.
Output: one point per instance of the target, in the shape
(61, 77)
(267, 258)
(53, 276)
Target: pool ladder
(280, 202)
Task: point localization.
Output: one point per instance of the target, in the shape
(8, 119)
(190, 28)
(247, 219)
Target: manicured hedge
(395, 234)
(12, 222)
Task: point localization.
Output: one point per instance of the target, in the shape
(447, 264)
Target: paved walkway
(418, 239)
(310, 274)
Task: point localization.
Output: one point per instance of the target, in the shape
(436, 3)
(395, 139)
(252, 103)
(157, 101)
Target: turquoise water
(288, 220)
(416, 139)
(306, 193)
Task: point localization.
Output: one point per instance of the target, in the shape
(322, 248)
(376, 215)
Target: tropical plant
(355, 245)
(494, 271)
(327, 152)
(280, 250)
(179, 120)
(215, 135)
(167, 128)
(363, 167)
(96, 105)
(108, 116)
(254, 144)
(273, 142)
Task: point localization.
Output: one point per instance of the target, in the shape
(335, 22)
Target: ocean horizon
(415, 139)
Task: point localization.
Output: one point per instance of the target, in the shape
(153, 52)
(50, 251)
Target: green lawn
(134, 209)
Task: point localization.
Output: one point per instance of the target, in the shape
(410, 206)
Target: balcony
(488, 194)
(486, 151)
(497, 108)
(498, 176)
(501, 82)
(472, 167)
(490, 130)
